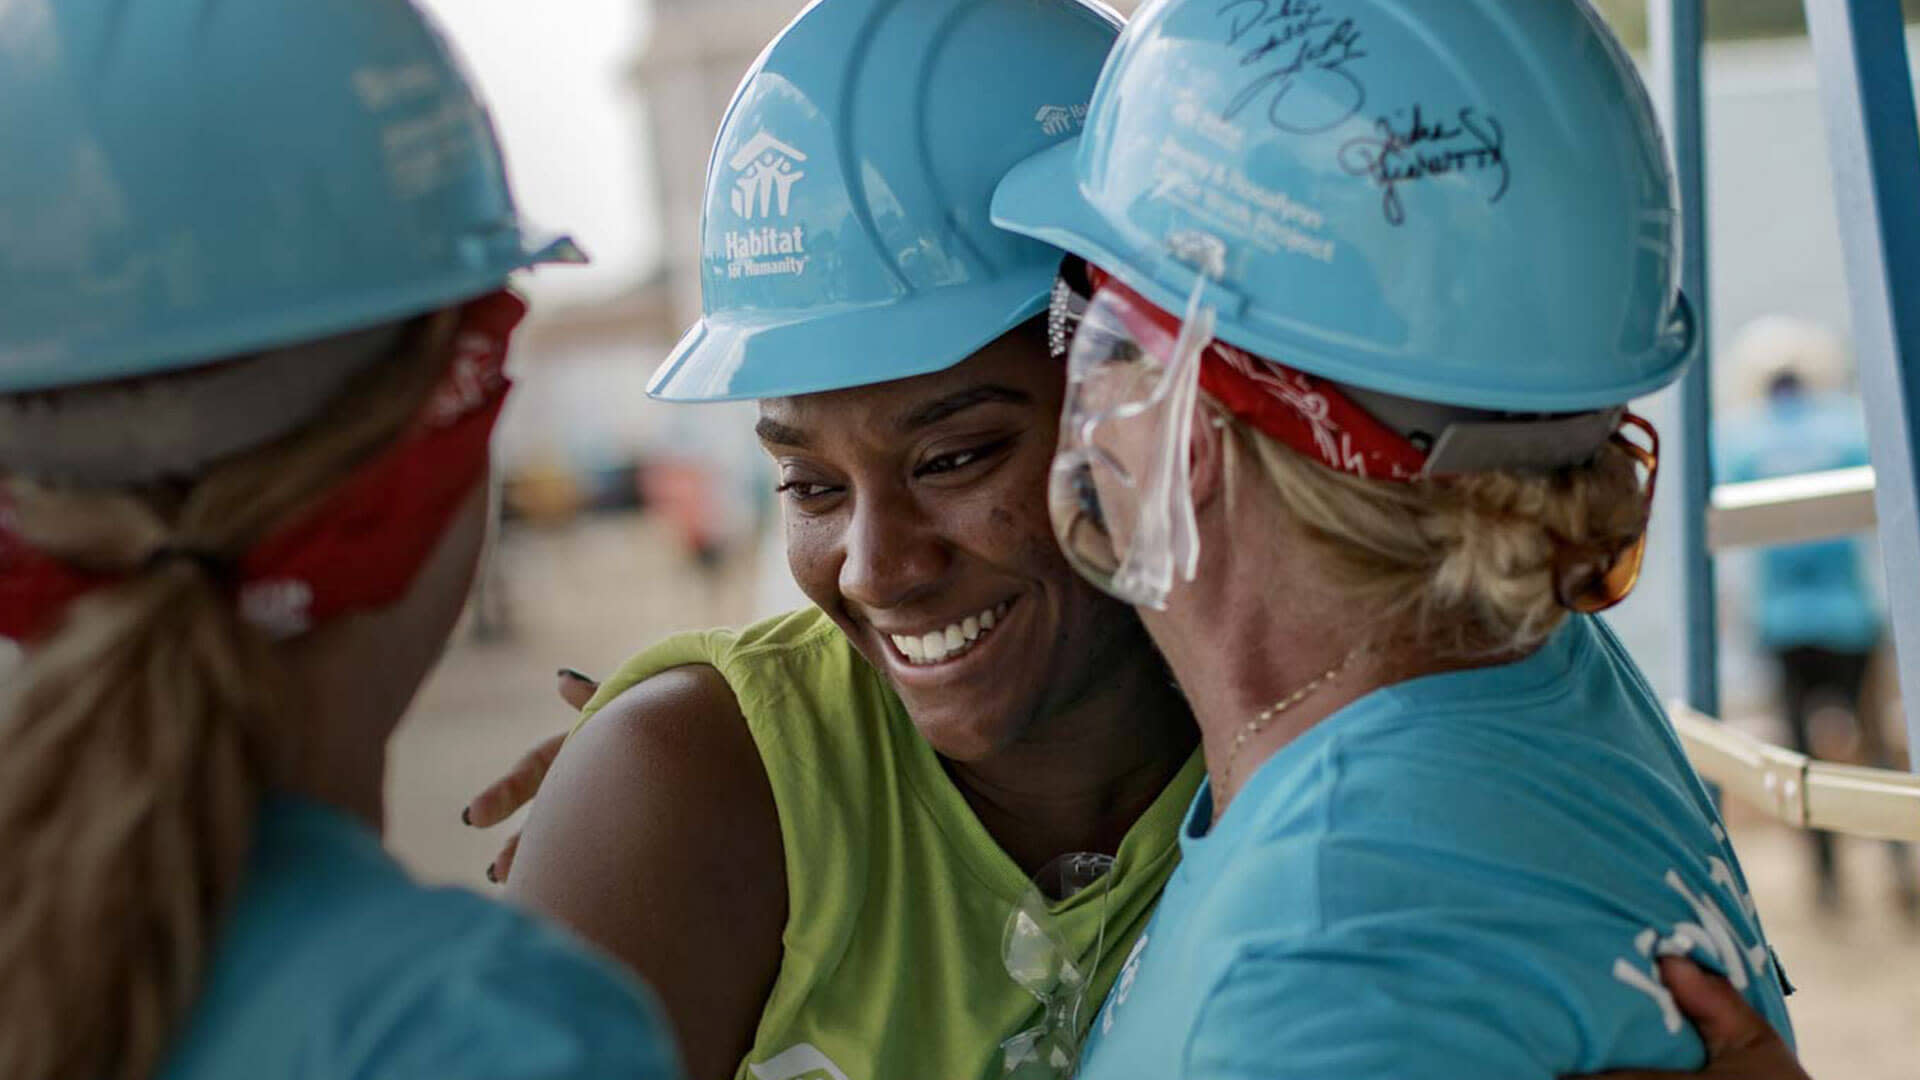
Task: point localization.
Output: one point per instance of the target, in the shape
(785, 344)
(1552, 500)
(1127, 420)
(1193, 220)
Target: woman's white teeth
(955, 639)
(935, 646)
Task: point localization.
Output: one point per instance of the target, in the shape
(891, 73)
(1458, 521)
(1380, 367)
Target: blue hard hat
(846, 238)
(184, 182)
(1466, 202)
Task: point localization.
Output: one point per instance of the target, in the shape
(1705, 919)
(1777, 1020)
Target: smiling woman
(853, 816)
(913, 508)
(810, 834)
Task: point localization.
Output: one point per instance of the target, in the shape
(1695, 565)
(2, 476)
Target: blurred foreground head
(251, 346)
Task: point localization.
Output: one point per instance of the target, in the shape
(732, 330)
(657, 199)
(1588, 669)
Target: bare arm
(655, 836)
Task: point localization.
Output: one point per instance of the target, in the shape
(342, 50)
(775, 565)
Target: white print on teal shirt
(800, 1062)
(1710, 937)
(1123, 987)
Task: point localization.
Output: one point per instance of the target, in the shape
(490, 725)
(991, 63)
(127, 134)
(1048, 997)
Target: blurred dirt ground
(588, 595)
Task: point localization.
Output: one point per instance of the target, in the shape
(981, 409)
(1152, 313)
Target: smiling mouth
(950, 642)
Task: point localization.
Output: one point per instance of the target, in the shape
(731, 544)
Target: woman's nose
(892, 554)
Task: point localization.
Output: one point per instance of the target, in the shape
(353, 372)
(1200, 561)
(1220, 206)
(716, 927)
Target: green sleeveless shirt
(897, 896)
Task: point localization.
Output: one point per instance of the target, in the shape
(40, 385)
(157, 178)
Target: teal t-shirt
(1464, 875)
(334, 965)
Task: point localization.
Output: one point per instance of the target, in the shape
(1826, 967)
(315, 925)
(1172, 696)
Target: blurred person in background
(1813, 609)
(252, 337)
(1369, 285)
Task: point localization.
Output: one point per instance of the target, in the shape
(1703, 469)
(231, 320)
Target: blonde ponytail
(137, 738)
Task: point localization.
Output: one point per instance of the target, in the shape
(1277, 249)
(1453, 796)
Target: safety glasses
(1040, 959)
(1576, 584)
(1120, 493)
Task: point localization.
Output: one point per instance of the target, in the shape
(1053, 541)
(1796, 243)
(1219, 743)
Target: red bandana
(360, 547)
(1303, 412)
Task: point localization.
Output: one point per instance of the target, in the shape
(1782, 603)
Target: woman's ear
(1208, 454)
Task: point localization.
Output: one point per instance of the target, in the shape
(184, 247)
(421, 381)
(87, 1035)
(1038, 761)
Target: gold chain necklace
(1265, 716)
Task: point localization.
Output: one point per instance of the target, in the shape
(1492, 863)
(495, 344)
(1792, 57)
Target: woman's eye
(1107, 335)
(1117, 348)
(804, 490)
(948, 462)
(959, 459)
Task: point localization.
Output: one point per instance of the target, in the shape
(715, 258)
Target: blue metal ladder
(1867, 97)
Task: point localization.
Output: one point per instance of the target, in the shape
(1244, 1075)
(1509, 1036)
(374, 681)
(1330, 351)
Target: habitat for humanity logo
(1060, 119)
(767, 175)
(768, 169)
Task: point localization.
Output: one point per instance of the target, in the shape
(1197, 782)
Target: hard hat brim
(1041, 198)
(736, 357)
(112, 354)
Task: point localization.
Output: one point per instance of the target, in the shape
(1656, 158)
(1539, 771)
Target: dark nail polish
(491, 875)
(569, 673)
(466, 816)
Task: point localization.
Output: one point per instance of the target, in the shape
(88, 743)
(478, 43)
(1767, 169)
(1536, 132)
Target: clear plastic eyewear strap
(1041, 960)
(1166, 540)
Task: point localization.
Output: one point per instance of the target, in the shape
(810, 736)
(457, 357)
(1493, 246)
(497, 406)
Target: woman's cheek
(809, 551)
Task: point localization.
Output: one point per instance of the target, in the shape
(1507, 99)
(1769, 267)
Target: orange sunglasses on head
(1575, 585)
